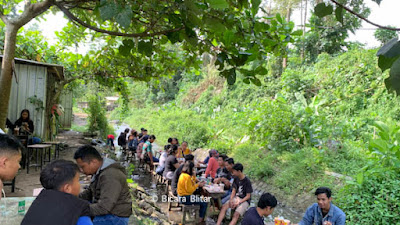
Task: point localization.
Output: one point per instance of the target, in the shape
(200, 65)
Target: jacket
(313, 215)
(47, 210)
(108, 191)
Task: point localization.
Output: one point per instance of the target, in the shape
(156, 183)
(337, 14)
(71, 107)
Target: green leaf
(255, 5)
(322, 10)
(390, 49)
(377, 1)
(145, 48)
(124, 18)
(385, 63)
(255, 81)
(230, 76)
(126, 47)
(108, 10)
(173, 37)
(393, 82)
(297, 33)
(214, 24)
(228, 37)
(360, 178)
(339, 14)
(246, 81)
(221, 57)
(218, 4)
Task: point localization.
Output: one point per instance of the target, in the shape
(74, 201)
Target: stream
(149, 184)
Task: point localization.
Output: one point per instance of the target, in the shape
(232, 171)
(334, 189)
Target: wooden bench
(190, 209)
(173, 199)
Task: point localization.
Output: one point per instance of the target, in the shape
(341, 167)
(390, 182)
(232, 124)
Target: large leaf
(377, 1)
(218, 4)
(230, 76)
(385, 63)
(322, 10)
(255, 5)
(126, 48)
(390, 49)
(108, 10)
(339, 14)
(145, 48)
(393, 82)
(124, 18)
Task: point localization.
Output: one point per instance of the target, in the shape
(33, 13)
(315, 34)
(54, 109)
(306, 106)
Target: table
(215, 194)
(40, 148)
(56, 149)
(9, 210)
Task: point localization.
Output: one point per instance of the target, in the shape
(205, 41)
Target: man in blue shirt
(265, 207)
(323, 212)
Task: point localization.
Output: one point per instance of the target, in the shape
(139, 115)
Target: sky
(384, 14)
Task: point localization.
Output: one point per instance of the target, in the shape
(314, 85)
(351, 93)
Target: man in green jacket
(108, 192)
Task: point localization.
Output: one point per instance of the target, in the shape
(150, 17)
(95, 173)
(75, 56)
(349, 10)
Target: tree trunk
(285, 59)
(7, 71)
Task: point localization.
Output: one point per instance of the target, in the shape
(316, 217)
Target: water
(149, 184)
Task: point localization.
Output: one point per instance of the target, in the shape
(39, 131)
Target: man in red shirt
(110, 141)
(212, 164)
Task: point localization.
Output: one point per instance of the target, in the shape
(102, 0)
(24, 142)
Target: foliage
(375, 201)
(37, 102)
(383, 35)
(97, 120)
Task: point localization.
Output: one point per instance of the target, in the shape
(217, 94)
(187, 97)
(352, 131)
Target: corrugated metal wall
(66, 102)
(32, 81)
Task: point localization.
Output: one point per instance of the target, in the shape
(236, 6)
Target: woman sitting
(163, 158)
(24, 123)
(183, 150)
(187, 186)
(171, 163)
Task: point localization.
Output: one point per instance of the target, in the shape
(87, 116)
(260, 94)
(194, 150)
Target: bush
(97, 120)
(376, 201)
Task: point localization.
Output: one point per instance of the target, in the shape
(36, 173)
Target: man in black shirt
(240, 197)
(265, 207)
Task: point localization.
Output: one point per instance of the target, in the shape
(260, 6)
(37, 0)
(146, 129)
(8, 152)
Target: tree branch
(362, 18)
(2, 16)
(113, 33)
(31, 11)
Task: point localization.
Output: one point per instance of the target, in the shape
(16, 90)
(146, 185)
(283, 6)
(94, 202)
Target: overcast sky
(385, 14)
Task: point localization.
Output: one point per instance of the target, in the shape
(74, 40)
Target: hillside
(293, 129)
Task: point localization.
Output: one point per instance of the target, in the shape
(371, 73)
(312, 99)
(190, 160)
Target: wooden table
(56, 149)
(215, 194)
(40, 148)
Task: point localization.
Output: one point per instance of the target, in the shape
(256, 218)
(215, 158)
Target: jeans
(203, 205)
(110, 142)
(154, 159)
(227, 196)
(110, 220)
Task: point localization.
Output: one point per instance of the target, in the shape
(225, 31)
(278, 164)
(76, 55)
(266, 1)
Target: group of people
(107, 200)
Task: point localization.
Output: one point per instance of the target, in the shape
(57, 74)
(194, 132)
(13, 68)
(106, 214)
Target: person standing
(108, 193)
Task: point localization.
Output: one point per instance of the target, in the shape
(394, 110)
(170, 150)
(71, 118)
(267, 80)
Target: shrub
(97, 120)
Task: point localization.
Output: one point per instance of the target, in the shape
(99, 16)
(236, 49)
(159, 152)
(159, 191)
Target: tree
(226, 28)
(329, 32)
(388, 55)
(384, 36)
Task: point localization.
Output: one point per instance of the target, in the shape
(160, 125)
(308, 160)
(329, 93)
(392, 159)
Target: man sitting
(148, 151)
(10, 157)
(229, 163)
(108, 191)
(240, 197)
(58, 203)
(323, 212)
(212, 164)
(223, 175)
(265, 207)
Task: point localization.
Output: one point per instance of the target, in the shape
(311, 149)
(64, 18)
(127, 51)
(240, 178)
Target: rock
(139, 188)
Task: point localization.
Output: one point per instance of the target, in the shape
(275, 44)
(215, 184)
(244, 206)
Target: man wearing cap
(212, 164)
